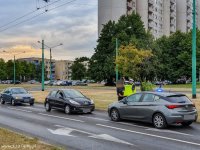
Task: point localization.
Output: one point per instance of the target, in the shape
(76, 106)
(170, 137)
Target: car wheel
(47, 107)
(114, 115)
(31, 104)
(67, 109)
(2, 101)
(13, 102)
(159, 121)
(186, 123)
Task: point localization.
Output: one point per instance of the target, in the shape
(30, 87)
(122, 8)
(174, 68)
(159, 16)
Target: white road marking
(19, 109)
(110, 138)
(66, 131)
(31, 108)
(94, 118)
(152, 135)
(130, 124)
(167, 131)
(62, 131)
(61, 117)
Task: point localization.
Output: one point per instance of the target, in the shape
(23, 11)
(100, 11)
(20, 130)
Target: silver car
(159, 108)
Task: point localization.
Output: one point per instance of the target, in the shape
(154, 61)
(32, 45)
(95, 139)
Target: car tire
(31, 104)
(2, 101)
(47, 107)
(159, 121)
(13, 102)
(67, 109)
(187, 123)
(114, 115)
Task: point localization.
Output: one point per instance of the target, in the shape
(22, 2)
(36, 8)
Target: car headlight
(92, 102)
(17, 97)
(74, 102)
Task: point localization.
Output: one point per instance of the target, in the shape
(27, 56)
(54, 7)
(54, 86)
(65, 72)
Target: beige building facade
(63, 69)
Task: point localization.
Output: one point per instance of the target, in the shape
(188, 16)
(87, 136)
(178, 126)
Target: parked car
(161, 109)
(16, 95)
(81, 83)
(68, 100)
(47, 82)
(16, 82)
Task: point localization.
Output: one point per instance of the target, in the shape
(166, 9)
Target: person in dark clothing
(120, 93)
(120, 89)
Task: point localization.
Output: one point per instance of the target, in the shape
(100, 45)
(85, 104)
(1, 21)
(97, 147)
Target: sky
(74, 25)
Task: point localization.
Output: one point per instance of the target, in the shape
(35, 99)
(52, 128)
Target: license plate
(189, 117)
(86, 110)
(26, 100)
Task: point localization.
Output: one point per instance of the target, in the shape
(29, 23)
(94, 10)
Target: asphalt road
(95, 131)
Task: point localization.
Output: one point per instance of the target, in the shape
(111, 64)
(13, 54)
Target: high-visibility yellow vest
(128, 90)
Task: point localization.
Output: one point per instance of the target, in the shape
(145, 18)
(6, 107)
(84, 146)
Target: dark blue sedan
(16, 95)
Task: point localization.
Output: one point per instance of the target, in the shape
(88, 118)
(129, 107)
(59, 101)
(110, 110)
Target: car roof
(164, 94)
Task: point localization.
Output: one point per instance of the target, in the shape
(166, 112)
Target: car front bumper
(30, 100)
(83, 109)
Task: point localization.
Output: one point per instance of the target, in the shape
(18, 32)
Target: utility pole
(14, 71)
(50, 67)
(194, 52)
(42, 65)
(117, 74)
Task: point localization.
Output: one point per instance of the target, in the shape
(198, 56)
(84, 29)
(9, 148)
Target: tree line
(142, 57)
(24, 71)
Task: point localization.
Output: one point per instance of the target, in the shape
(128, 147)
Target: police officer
(129, 88)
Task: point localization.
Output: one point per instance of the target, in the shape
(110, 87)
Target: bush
(146, 86)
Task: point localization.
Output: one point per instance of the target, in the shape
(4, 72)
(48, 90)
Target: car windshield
(73, 93)
(19, 91)
(178, 99)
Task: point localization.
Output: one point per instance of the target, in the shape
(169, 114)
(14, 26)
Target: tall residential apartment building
(161, 17)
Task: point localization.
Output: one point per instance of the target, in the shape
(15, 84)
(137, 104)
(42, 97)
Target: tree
(78, 71)
(131, 61)
(3, 73)
(128, 30)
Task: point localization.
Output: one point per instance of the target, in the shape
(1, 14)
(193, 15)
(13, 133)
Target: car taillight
(172, 106)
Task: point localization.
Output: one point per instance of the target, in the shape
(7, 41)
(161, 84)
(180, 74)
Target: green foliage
(128, 30)
(131, 61)
(146, 86)
(79, 71)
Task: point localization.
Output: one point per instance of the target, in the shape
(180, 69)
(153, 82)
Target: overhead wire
(37, 15)
(27, 14)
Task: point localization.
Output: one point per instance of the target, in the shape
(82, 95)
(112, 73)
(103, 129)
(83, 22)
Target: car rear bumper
(179, 118)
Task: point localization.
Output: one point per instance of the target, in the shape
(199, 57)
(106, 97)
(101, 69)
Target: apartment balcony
(173, 15)
(151, 24)
(151, 17)
(151, 9)
(173, 7)
(173, 1)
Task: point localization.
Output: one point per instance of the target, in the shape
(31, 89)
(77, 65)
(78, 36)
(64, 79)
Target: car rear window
(178, 99)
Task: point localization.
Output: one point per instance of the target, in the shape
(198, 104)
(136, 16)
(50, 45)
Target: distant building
(63, 69)
(36, 61)
(161, 17)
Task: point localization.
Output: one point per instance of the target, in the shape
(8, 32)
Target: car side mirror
(61, 97)
(124, 101)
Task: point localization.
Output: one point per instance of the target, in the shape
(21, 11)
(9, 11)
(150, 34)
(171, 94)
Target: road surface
(95, 131)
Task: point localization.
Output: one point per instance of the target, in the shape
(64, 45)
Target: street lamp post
(50, 49)
(194, 51)
(117, 73)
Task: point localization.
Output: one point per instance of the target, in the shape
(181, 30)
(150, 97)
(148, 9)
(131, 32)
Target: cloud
(73, 25)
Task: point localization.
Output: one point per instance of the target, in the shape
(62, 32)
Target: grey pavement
(95, 131)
